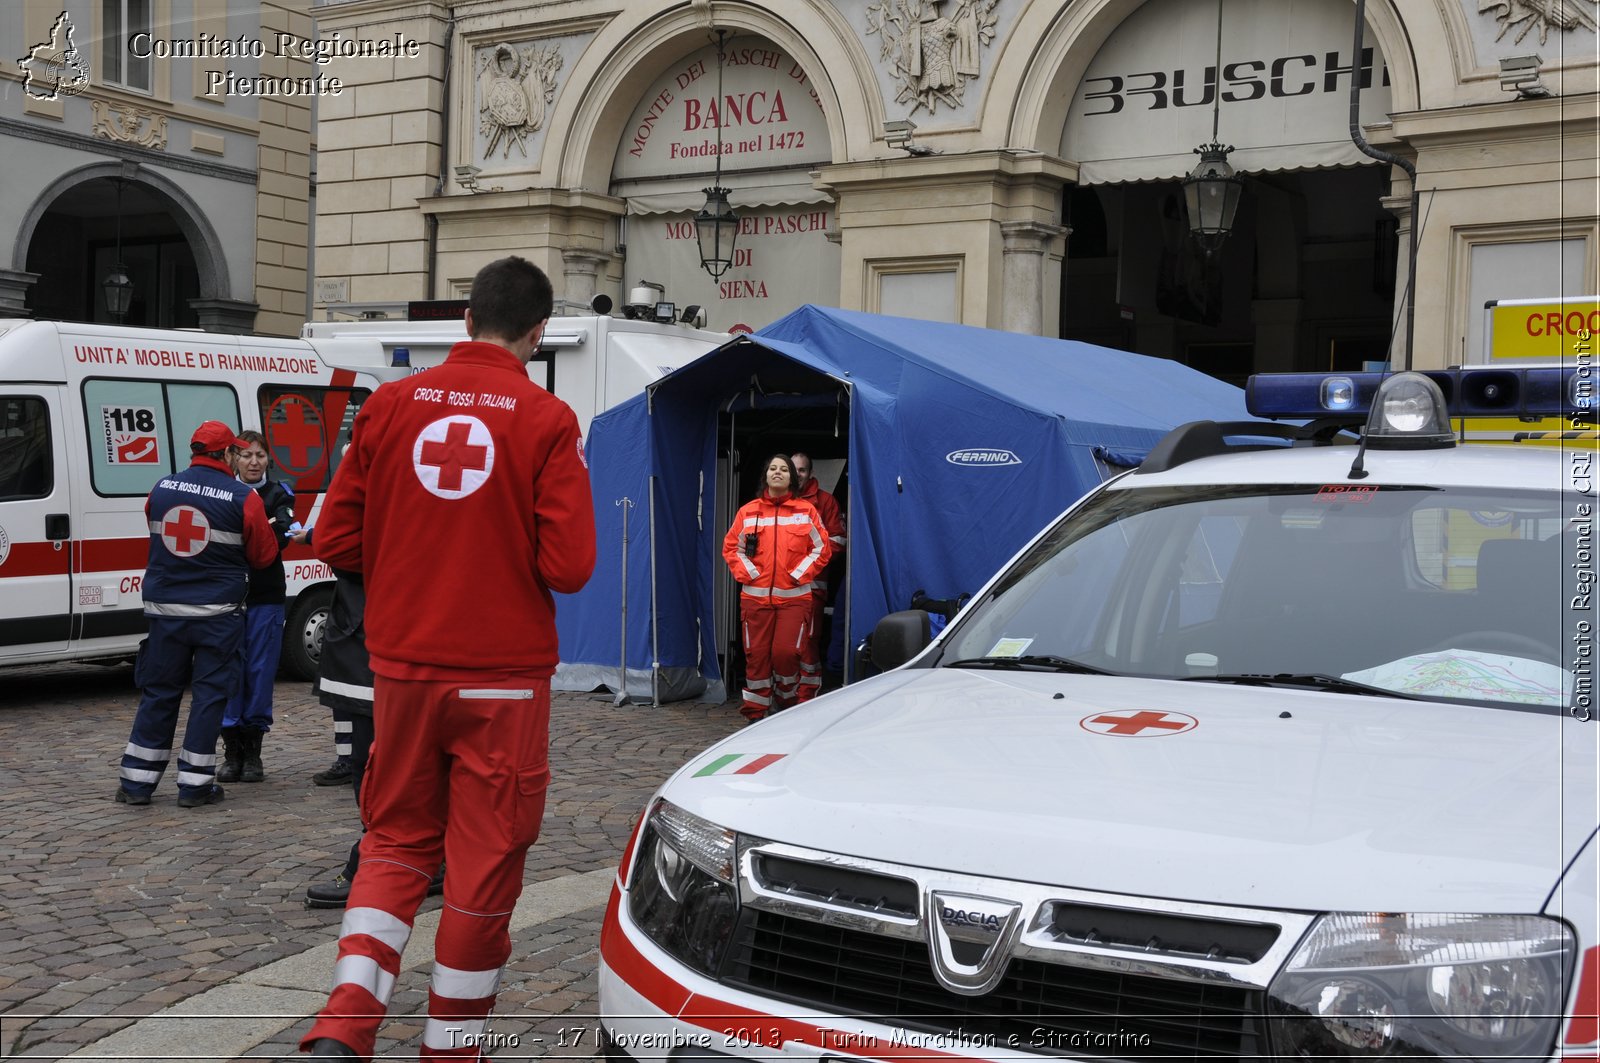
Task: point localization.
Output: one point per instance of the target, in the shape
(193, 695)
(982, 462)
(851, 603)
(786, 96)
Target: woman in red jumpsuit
(775, 549)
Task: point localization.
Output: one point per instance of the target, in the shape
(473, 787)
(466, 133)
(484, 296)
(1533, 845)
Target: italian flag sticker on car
(739, 764)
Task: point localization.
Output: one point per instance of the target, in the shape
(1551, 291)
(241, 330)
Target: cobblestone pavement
(110, 913)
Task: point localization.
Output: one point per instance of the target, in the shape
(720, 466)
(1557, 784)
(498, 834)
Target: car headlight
(682, 894)
(1462, 986)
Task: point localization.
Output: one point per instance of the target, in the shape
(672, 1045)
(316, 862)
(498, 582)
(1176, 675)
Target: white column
(1024, 246)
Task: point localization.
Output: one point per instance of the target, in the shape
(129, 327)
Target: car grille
(1050, 1008)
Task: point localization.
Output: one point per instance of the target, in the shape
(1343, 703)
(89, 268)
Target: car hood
(1278, 798)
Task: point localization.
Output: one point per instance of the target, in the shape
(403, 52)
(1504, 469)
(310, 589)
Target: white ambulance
(92, 415)
(1280, 747)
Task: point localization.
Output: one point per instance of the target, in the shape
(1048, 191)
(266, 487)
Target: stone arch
(210, 260)
(1033, 96)
(586, 132)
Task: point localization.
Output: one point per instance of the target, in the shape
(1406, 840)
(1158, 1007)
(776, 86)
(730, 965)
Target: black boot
(328, 1048)
(251, 770)
(334, 894)
(232, 754)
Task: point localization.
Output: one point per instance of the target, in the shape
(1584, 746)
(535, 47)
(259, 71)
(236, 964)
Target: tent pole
(655, 643)
(622, 679)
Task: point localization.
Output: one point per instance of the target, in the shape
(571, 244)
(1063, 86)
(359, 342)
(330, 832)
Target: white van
(92, 415)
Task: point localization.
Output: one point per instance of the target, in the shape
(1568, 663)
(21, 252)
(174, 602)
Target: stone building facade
(139, 129)
(1037, 188)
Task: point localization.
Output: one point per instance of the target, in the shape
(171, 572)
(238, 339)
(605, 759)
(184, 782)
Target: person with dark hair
(464, 502)
(248, 717)
(827, 507)
(775, 548)
(207, 530)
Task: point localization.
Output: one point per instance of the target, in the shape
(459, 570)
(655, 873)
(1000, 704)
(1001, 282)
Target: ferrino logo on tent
(982, 458)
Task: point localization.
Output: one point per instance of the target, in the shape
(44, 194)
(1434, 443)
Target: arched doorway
(1306, 279)
(75, 242)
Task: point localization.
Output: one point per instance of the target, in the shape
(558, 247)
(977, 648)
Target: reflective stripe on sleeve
(492, 694)
(349, 690)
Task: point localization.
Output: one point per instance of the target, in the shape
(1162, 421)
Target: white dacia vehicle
(1277, 747)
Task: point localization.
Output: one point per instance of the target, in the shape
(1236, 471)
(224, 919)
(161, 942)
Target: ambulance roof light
(1408, 413)
(1474, 391)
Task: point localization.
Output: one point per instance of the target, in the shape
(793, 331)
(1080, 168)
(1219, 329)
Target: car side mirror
(900, 637)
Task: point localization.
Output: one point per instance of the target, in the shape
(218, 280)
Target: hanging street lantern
(716, 226)
(118, 287)
(1211, 193)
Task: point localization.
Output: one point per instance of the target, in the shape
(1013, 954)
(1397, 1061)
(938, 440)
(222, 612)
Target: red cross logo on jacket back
(185, 531)
(454, 456)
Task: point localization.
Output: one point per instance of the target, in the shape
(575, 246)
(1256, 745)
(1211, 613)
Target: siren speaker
(1488, 391)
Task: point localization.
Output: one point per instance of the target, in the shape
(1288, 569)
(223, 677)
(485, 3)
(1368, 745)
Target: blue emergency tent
(962, 443)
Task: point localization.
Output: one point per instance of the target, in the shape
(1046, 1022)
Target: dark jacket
(206, 530)
(267, 584)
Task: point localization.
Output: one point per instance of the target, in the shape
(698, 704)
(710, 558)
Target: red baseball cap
(213, 436)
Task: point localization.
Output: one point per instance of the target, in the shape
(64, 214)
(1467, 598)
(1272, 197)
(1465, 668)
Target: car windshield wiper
(1333, 684)
(1033, 662)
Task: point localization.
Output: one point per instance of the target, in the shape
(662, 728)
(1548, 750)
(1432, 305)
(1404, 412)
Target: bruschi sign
(1147, 96)
(769, 123)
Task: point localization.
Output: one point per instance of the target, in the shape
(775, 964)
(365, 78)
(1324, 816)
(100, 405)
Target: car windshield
(1449, 594)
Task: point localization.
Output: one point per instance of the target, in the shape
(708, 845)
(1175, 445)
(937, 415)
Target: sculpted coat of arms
(514, 87)
(934, 47)
(1543, 15)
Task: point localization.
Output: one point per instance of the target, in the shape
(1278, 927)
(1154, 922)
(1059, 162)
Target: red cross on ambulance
(1142, 724)
(453, 456)
(185, 531)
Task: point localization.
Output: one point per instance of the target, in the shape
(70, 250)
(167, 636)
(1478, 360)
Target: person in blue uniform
(248, 716)
(207, 530)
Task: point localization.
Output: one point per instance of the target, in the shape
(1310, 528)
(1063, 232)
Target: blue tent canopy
(962, 443)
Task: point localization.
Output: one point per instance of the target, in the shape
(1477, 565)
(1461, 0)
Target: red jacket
(465, 502)
(791, 549)
(827, 508)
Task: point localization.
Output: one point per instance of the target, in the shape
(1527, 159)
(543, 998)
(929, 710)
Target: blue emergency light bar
(1476, 391)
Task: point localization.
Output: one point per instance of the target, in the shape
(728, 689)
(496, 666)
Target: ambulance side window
(132, 424)
(306, 429)
(25, 468)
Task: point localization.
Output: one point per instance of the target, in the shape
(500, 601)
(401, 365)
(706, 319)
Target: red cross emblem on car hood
(1144, 723)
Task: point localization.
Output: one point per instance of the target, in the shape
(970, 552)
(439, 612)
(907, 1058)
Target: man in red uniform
(464, 502)
(827, 508)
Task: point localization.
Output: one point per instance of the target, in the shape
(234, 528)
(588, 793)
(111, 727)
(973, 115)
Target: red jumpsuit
(775, 608)
(465, 502)
(827, 508)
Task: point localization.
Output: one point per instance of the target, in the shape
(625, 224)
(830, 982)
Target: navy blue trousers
(204, 652)
(259, 651)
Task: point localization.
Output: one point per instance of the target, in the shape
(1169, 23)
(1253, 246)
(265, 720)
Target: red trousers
(811, 652)
(457, 772)
(775, 639)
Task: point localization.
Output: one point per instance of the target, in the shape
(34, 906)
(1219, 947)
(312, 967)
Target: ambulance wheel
(302, 633)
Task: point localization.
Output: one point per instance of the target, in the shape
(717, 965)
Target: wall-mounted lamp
(898, 134)
(1520, 74)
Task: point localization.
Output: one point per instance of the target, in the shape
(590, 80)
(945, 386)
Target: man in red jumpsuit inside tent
(465, 502)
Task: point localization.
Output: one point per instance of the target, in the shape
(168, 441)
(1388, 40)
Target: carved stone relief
(1525, 16)
(515, 85)
(123, 124)
(932, 54)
